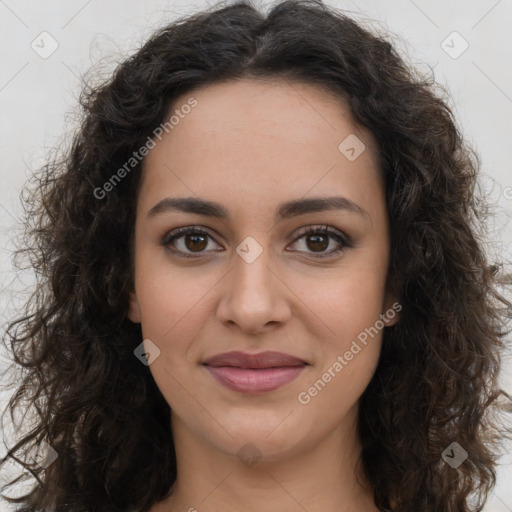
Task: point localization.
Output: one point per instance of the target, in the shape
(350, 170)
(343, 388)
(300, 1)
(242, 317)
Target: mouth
(254, 361)
(254, 373)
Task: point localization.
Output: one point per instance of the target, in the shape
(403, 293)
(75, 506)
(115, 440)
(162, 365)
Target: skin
(251, 145)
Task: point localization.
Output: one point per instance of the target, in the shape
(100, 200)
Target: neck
(321, 477)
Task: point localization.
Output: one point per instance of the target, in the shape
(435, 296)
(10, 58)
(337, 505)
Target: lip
(254, 373)
(254, 361)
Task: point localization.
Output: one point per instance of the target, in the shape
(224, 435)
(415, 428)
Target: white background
(37, 96)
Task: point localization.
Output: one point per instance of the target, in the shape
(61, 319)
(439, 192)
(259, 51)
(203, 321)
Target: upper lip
(260, 360)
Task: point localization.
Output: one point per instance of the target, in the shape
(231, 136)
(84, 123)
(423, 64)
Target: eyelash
(342, 239)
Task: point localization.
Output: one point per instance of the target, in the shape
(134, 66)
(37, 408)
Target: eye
(319, 239)
(192, 242)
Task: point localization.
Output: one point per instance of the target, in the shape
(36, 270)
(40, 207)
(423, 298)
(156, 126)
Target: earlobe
(134, 309)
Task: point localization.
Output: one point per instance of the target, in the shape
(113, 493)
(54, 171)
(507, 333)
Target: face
(261, 266)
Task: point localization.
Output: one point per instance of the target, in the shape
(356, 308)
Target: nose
(254, 297)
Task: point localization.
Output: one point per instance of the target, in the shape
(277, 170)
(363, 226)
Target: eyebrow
(284, 211)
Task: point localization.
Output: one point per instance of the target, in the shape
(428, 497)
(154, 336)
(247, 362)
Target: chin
(266, 444)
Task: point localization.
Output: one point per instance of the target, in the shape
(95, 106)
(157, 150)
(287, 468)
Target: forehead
(289, 112)
(269, 137)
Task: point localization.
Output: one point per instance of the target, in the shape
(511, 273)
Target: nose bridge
(252, 276)
(252, 295)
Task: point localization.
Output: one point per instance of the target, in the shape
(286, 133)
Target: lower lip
(255, 381)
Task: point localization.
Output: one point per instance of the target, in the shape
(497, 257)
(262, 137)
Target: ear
(134, 309)
(391, 312)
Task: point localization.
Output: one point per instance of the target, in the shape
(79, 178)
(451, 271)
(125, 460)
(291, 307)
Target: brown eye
(317, 241)
(193, 242)
(187, 242)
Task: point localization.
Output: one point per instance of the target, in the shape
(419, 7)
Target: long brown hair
(436, 383)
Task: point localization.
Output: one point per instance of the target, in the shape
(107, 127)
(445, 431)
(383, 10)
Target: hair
(436, 382)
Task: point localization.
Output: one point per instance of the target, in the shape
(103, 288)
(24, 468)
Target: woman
(263, 285)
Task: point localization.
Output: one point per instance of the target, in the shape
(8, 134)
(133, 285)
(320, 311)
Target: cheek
(173, 311)
(347, 302)
(348, 352)
(349, 306)
(170, 298)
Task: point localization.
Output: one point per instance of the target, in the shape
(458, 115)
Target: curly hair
(437, 378)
